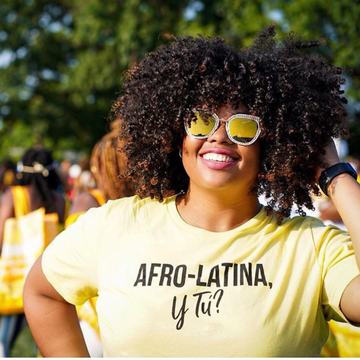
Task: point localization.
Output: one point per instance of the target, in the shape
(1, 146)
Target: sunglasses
(242, 129)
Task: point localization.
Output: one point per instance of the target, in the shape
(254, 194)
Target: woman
(106, 165)
(38, 179)
(194, 265)
(7, 175)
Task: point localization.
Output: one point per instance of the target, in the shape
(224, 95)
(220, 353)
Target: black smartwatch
(335, 170)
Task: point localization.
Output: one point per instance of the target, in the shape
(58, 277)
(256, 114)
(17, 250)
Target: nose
(220, 135)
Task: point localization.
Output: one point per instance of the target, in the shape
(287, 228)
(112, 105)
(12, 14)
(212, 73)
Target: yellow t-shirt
(168, 289)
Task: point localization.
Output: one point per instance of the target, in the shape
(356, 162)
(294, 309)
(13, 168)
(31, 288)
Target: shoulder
(7, 198)
(303, 222)
(83, 202)
(116, 217)
(322, 236)
(130, 210)
(7, 204)
(136, 205)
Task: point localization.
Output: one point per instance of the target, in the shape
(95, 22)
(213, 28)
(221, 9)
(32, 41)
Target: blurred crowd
(68, 189)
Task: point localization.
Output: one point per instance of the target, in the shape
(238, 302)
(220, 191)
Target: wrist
(330, 173)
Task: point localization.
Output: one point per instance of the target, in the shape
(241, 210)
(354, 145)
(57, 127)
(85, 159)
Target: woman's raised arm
(344, 191)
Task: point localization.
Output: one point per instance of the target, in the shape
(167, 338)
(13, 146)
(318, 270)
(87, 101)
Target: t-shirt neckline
(180, 222)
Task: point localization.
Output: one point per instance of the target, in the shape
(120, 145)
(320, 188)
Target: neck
(216, 211)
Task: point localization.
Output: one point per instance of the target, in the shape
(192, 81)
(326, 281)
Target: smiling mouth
(217, 157)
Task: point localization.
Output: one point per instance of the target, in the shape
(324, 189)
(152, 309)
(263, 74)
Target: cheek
(190, 146)
(251, 157)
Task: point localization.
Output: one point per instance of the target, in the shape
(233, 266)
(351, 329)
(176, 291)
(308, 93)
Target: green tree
(64, 60)
(338, 23)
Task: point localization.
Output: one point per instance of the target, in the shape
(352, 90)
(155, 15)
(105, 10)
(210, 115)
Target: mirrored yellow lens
(243, 129)
(202, 126)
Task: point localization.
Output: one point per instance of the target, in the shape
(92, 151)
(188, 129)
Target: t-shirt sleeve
(339, 268)
(70, 261)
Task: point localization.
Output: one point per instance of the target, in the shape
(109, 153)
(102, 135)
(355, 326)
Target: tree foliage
(63, 61)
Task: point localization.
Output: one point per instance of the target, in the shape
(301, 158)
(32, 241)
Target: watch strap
(333, 171)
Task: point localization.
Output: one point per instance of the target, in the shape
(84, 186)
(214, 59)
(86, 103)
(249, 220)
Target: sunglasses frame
(227, 122)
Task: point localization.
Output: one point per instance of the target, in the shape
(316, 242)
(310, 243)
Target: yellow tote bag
(25, 238)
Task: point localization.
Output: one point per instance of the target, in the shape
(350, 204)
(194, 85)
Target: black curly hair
(296, 94)
(44, 181)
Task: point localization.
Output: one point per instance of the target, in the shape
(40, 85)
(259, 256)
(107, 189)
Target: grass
(24, 345)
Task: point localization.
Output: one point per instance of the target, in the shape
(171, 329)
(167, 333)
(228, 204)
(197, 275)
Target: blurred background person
(104, 182)
(37, 176)
(7, 175)
(100, 184)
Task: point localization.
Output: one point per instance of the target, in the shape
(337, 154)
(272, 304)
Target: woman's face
(217, 163)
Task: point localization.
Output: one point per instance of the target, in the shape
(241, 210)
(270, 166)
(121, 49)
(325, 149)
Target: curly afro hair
(296, 94)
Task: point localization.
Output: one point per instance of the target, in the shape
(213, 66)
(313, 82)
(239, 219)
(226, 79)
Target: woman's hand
(330, 158)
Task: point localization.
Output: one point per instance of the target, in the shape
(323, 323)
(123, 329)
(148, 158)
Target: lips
(219, 154)
(218, 157)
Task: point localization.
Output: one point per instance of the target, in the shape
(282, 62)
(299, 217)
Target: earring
(180, 153)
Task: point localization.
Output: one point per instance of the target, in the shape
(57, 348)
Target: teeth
(217, 157)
